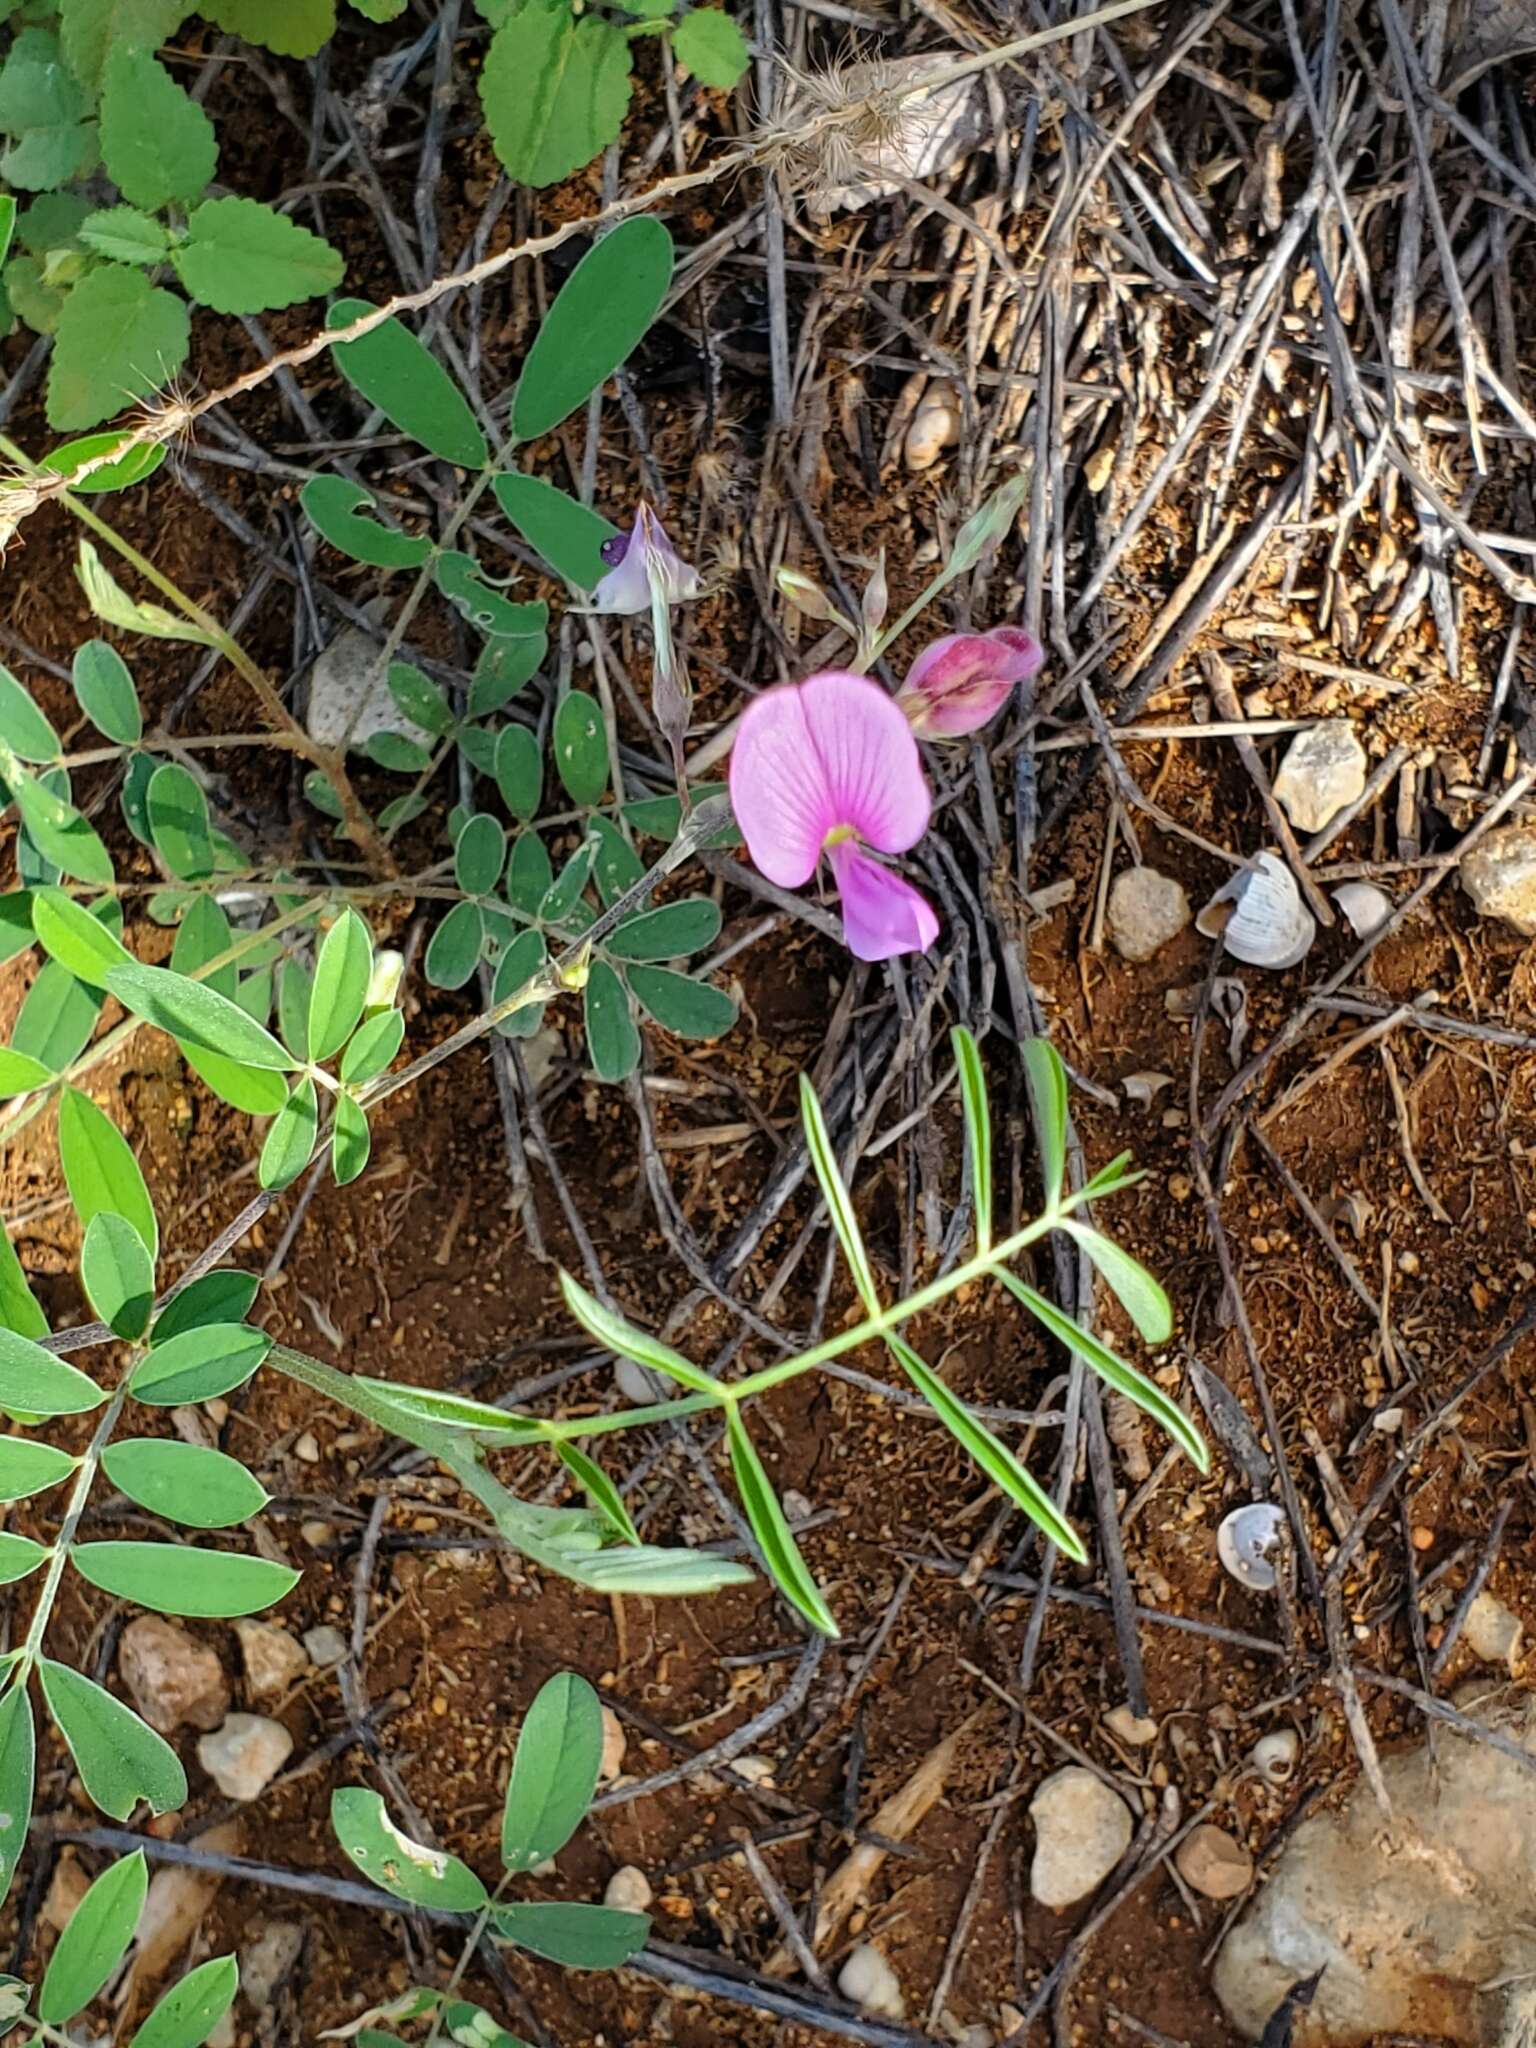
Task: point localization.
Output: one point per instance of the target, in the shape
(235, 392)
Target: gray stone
(1145, 911)
(1492, 1633)
(1499, 874)
(245, 1755)
(325, 1646)
(172, 1676)
(273, 1660)
(267, 1962)
(1082, 1829)
(1323, 772)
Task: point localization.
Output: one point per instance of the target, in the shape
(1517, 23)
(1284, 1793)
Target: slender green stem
(85, 1478)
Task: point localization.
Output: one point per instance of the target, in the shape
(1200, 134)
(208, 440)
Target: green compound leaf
(1047, 1079)
(978, 1130)
(174, 1578)
(27, 1467)
(687, 926)
(18, 1758)
(22, 726)
(34, 1382)
(91, 28)
(291, 1140)
(568, 534)
(222, 1296)
(350, 1141)
(554, 1772)
(106, 693)
(580, 746)
(1113, 1370)
(989, 1452)
(199, 1364)
(518, 965)
(454, 949)
(333, 503)
(681, 1005)
(341, 985)
(135, 466)
(478, 854)
(613, 1037)
(616, 1335)
(555, 89)
(125, 235)
(780, 1551)
(188, 2013)
(120, 1760)
(58, 831)
(835, 1194)
(179, 823)
(1128, 1280)
(519, 771)
(393, 371)
(373, 1048)
(118, 1274)
(95, 1940)
(710, 45)
(156, 141)
(290, 28)
(600, 1490)
(70, 934)
(187, 1010)
(42, 110)
(19, 1557)
(119, 338)
(100, 1169)
(404, 1868)
(614, 293)
(242, 257)
(185, 1483)
(577, 1937)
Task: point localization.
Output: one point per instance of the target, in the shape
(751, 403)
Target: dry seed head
(837, 123)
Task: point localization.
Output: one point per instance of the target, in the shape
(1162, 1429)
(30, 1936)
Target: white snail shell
(1274, 1756)
(1366, 906)
(1267, 923)
(1246, 1543)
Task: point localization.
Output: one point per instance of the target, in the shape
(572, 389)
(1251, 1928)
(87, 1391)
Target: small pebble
(1492, 1633)
(326, 1646)
(1423, 1537)
(614, 1745)
(757, 1770)
(629, 1890)
(171, 1675)
(1082, 1829)
(868, 1981)
(245, 1755)
(273, 1660)
(1146, 910)
(306, 1448)
(1323, 772)
(1500, 877)
(1136, 1729)
(1213, 1864)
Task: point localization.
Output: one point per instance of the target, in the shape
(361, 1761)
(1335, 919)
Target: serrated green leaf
(175, 1578)
(774, 1537)
(42, 110)
(340, 986)
(198, 1364)
(555, 90)
(190, 2011)
(222, 1296)
(576, 1937)
(18, 1752)
(120, 1760)
(554, 1772)
(106, 693)
(201, 1488)
(710, 45)
(58, 831)
(529, 874)
(676, 929)
(599, 1489)
(90, 28)
(118, 1274)
(613, 1038)
(523, 958)
(1047, 1079)
(187, 1010)
(835, 1194)
(393, 371)
(19, 1557)
(22, 725)
(68, 933)
(125, 235)
(137, 464)
(502, 667)
(404, 1868)
(580, 746)
(373, 1048)
(333, 504)
(681, 1005)
(240, 256)
(978, 1130)
(119, 337)
(454, 949)
(291, 28)
(616, 1335)
(350, 1141)
(27, 1467)
(610, 299)
(568, 534)
(95, 1939)
(100, 1169)
(291, 1140)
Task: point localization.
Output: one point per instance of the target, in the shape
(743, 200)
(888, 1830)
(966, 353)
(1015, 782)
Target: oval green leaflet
(350, 1140)
(69, 933)
(554, 1772)
(453, 953)
(178, 1579)
(104, 688)
(22, 726)
(57, 830)
(190, 1011)
(580, 746)
(600, 314)
(190, 2011)
(19, 1557)
(202, 937)
(20, 1073)
(118, 1274)
(291, 1140)
(613, 1037)
(668, 932)
(419, 699)
(681, 1005)
(577, 1937)
(600, 1490)
(259, 1091)
(198, 1364)
(406, 1869)
(347, 516)
(95, 1940)
(621, 1337)
(184, 1482)
(393, 371)
(478, 854)
(517, 966)
(179, 823)
(18, 1752)
(519, 771)
(27, 1467)
(567, 534)
(372, 1048)
(131, 468)
(340, 987)
(100, 1169)
(119, 1758)
(34, 1382)
(222, 1296)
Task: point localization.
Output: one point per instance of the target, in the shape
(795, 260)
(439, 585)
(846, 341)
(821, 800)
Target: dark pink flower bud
(960, 682)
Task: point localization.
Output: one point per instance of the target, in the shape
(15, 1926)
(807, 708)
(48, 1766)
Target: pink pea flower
(829, 766)
(963, 680)
(644, 569)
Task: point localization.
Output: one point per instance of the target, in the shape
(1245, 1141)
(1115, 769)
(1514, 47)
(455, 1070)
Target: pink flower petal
(867, 759)
(780, 799)
(882, 915)
(960, 682)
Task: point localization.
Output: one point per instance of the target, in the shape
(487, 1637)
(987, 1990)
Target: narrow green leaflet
(568, 534)
(780, 1551)
(1047, 1079)
(294, 983)
(56, 1018)
(20, 1074)
(373, 1048)
(529, 874)
(669, 932)
(120, 1760)
(1111, 1178)
(58, 830)
(1142, 1298)
(240, 256)
(100, 1169)
(393, 371)
(989, 1452)
(19, 1557)
(835, 1193)
(22, 726)
(196, 1365)
(336, 507)
(34, 1382)
(176, 1579)
(710, 45)
(650, 1573)
(447, 1410)
(179, 823)
(7, 224)
(577, 1937)
(478, 855)
(453, 952)
(15, 923)
(68, 933)
(340, 985)
(405, 1869)
(599, 1489)
(257, 1090)
(201, 1488)
(188, 2013)
(118, 1274)
(555, 88)
(1122, 1377)
(222, 1296)
(350, 1141)
(18, 1752)
(137, 464)
(156, 141)
(19, 1311)
(616, 1335)
(291, 1140)
(565, 892)
(613, 1037)
(188, 1010)
(554, 1772)
(202, 937)
(119, 338)
(580, 746)
(615, 292)
(27, 1467)
(681, 1005)
(978, 1130)
(617, 866)
(95, 1940)
(107, 597)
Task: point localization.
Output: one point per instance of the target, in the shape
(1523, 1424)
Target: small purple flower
(830, 766)
(960, 682)
(644, 569)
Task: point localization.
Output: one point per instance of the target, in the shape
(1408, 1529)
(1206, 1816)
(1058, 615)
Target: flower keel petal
(883, 916)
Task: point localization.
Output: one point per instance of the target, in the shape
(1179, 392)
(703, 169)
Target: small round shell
(1366, 906)
(935, 425)
(1274, 1756)
(1260, 915)
(1247, 1542)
